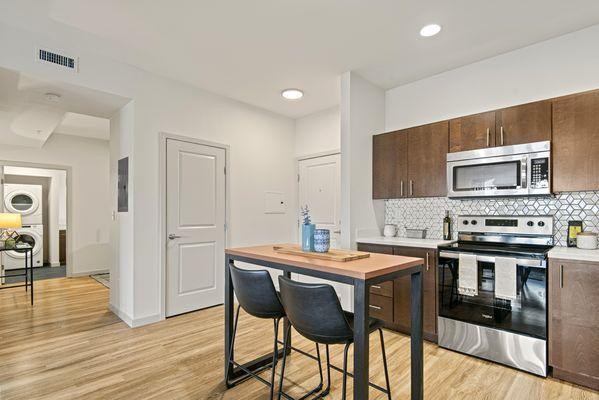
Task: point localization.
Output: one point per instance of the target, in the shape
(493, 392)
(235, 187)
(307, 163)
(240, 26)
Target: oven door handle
(524, 173)
(525, 262)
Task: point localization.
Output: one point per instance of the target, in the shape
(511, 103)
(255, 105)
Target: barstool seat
(315, 312)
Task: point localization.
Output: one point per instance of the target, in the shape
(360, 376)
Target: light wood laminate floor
(69, 346)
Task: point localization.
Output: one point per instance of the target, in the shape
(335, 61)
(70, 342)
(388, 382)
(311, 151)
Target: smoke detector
(52, 97)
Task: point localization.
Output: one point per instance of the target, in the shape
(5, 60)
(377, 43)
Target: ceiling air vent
(59, 60)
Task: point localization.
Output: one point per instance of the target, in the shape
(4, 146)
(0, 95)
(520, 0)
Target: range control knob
(541, 223)
(530, 223)
(473, 222)
(465, 222)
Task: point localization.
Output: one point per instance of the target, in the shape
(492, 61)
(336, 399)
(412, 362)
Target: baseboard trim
(88, 273)
(55, 264)
(134, 322)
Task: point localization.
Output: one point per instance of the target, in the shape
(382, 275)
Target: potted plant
(307, 230)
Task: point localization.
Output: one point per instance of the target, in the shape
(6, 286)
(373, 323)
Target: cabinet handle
(427, 264)
(411, 188)
(501, 134)
(374, 307)
(488, 137)
(401, 189)
(375, 286)
(561, 276)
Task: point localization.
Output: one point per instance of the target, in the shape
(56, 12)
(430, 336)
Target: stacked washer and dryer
(26, 200)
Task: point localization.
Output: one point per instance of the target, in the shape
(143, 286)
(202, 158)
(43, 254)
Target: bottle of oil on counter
(447, 226)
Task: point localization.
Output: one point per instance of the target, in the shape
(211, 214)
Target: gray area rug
(38, 274)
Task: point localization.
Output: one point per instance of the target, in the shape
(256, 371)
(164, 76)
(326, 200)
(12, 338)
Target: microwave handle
(524, 172)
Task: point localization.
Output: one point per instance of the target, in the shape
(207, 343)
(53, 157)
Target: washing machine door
(22, 202)
(30, 237)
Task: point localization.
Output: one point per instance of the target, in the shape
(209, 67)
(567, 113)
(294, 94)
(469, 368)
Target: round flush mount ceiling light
(430, 30)
(292, 94)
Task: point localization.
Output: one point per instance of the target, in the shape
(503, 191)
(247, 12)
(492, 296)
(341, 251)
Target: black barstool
(315, 312)
(258, 297)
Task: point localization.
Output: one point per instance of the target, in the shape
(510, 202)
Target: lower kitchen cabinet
(390, 301)
(574, 321)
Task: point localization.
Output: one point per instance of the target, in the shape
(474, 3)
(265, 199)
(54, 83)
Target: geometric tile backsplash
(428, 213)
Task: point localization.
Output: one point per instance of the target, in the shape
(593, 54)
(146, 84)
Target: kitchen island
(361, 274)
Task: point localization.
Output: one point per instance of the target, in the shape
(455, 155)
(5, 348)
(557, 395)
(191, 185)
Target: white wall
(89, 227)
(362, 115)
(57, 205)
(318, 133)
(261, 157)
(567, 64)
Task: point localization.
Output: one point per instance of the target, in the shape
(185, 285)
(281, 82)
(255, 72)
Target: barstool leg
(275, 358)
(285, 342)
(232, 342)
(385, 364)
(328, 388)
(345, 351)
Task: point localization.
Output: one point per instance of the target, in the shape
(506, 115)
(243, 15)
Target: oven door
(525, 315)
(490, 176)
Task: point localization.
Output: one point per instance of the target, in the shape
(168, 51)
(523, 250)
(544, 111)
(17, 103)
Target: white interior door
(320, 189)
(195, 221)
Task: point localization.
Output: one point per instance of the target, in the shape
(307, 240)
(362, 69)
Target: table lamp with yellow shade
(8, 223)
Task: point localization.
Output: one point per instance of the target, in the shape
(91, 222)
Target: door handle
(501, 134)
(375, 307)
(172, 236)
(375, 286)
(337, 232)
(401, 189)
(488, 137)
(411, 188)
(561, 276)
(427, 263)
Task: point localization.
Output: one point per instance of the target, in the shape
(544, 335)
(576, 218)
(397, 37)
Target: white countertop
(400, 241)
(574, 253)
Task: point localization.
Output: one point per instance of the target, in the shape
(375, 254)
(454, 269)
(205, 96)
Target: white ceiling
(28, 118)
(251, 50)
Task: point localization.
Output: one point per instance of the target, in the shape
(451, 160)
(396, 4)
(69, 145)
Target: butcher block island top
(364, 268)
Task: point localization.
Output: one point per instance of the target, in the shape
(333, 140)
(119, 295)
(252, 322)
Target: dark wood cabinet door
(472, 132)
(389, 165)
(375, 248)
(526, 123)
(401, 295)
(574, 321)
(575, 145)
(427, 160)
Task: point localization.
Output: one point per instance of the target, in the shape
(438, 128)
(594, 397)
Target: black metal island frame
(28, 274)
(361, 274)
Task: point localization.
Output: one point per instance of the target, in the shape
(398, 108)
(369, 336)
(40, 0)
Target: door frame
(69, 172)
(163, 137)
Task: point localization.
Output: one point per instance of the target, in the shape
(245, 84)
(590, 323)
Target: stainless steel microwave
(518, 170)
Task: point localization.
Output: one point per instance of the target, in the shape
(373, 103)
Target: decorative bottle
(447, 226)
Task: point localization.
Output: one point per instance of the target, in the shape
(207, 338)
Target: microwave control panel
(539, 176)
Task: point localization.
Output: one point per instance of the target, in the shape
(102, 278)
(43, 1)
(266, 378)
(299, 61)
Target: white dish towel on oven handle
(505, 278)
(468, 275)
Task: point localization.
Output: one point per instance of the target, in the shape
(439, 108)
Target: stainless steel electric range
(510, 331)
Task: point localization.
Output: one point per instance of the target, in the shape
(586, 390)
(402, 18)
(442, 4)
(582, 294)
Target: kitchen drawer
(382, 289)
(381, 307)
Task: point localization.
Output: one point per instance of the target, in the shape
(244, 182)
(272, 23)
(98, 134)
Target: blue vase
(308, 237)
(322, 240)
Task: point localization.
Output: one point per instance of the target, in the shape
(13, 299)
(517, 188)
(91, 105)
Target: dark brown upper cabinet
(575, 143)
(427, 158)
(525, 123)
(389, 165)
(472, 132)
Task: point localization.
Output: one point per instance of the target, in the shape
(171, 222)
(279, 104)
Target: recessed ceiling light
(430, 30)
(292, 94)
